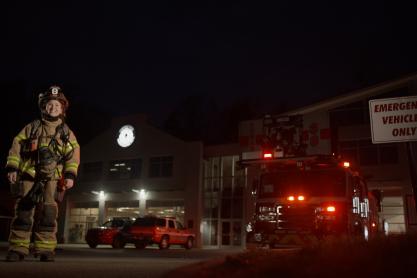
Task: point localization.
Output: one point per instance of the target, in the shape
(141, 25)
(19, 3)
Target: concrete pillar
(142, 207)
(101, 210)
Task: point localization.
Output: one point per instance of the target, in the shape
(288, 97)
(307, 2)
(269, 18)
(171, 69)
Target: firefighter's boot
(14, 256)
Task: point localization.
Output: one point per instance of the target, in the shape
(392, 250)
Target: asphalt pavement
(78, 260)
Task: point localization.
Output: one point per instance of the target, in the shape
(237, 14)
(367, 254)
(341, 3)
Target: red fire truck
(303, 198)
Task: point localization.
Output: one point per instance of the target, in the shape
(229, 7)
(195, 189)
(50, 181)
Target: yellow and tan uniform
(46, 212)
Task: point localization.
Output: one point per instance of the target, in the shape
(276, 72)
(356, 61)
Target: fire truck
(301, 199)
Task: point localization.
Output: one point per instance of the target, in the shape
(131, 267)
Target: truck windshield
(328, 182)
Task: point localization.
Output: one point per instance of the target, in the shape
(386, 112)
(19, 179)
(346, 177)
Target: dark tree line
(202, 118)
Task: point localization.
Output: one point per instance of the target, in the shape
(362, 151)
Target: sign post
(395, 120)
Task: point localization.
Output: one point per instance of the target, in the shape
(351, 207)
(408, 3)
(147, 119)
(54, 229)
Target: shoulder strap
(34, 126)
(64, 131)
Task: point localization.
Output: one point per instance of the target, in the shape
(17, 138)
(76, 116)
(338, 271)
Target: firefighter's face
(53, 108)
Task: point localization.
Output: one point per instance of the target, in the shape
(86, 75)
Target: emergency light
(267, 155)
(330, 209)
(299, 198)
(290, 198)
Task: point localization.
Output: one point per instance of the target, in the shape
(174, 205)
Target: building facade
(134, 169)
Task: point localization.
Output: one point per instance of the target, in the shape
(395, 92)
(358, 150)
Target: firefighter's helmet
(54, 92)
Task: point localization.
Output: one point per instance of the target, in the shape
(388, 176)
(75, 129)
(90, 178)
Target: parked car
(154, 230)
(105, 233)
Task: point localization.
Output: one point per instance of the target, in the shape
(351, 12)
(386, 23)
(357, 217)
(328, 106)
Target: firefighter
(42, 162)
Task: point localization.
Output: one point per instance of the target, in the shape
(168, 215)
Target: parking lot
(78, 260)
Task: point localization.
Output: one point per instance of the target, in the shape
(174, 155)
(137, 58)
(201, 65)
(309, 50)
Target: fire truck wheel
(164, 244)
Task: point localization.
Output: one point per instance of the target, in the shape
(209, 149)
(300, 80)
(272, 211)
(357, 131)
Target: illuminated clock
(126, 136)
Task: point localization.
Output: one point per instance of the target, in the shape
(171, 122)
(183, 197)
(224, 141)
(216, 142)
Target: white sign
(393, 119)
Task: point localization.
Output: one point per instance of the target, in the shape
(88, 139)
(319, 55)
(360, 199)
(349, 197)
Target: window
(107, 224)
(365, 153)
(149, 222)
(227, 165)
(92, 171)
(171, 224)
(179, 225)
(160, 166)
(125, 169)
(352, 114)
(224, 187)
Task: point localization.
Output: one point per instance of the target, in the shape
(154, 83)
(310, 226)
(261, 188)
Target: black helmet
(55, 93)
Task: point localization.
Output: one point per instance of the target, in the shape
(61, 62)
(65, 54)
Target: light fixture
(101, 194)
(142, 193)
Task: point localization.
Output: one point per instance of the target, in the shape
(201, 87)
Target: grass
(394, 256)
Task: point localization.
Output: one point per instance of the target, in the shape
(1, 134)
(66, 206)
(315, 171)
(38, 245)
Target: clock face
(126, 136)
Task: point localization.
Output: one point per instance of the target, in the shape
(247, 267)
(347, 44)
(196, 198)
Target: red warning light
(290, 198)
(346, 164)
(301, 198)
(330, 209)
(267, 155)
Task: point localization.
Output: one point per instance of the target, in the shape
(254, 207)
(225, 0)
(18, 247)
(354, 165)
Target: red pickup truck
(106, 232)
(154, 230)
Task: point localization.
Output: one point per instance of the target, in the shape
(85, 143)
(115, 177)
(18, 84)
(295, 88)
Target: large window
(357, 113)
(83, 216)
(365, 153)
(92, 171)
(125, 169)
(122, 209)
(353, 114)
(161, 167)
(166, 209)
(224, 185)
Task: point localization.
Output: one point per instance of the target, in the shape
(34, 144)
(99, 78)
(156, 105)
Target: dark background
(196, 69)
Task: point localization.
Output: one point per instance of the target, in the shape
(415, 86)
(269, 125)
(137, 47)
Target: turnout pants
(39, 219)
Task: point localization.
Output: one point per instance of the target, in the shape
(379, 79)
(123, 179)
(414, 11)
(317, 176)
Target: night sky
(128, 58)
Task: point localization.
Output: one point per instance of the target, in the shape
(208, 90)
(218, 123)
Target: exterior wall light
(101, 195)
(141, 193)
